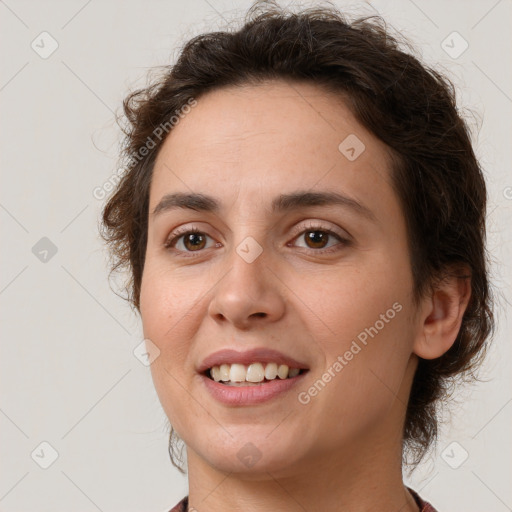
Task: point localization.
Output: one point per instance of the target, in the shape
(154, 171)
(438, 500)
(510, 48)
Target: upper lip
(260, 355)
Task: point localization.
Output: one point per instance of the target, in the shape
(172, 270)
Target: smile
(254, 373)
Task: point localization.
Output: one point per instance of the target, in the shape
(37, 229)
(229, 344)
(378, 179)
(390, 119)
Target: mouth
(238, 389)
(251, 377)
(254, 376)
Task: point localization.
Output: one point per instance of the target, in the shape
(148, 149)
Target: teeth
(282, 371)
(237, 373)
(223, 372)
(271, 371)
(255, 372)
(293, 372)
(215, 373)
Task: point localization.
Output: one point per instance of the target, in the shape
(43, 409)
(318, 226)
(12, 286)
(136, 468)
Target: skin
(342, 450)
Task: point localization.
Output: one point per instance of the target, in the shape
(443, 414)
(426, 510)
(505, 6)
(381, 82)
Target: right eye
(193, 240)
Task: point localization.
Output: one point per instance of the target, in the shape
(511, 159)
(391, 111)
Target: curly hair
(404, 103)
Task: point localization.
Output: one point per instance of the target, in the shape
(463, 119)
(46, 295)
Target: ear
(441, 315)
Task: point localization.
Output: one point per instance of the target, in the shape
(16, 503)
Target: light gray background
(68, 374)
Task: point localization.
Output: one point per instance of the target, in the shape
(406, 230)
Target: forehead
(250, 140)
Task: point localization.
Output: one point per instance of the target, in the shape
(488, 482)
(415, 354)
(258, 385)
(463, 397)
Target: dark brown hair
(407, 105)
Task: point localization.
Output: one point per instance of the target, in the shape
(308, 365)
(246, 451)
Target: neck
(365, 476)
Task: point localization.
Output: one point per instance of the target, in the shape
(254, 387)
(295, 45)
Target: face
(326, 283)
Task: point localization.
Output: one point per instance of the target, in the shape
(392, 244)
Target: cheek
(370, 338)
(366, 360)
(355, 297)
(163, 300)
(164, 305)
(365, 316)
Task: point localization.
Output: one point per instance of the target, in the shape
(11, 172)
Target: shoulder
(422, 504)
(181, 506)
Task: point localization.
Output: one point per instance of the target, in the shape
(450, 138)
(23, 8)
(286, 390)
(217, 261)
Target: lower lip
(248, 395)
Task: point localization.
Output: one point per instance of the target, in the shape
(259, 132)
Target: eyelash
(179, 233)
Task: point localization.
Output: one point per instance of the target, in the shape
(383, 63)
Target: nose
(249, 294)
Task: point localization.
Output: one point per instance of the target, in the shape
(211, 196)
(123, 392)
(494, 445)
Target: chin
(251, 455)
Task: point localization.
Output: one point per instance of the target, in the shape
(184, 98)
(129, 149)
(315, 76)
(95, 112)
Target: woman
(303, 218)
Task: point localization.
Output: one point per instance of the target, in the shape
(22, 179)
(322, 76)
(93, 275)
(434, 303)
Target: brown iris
(317, 237)
(196, 240)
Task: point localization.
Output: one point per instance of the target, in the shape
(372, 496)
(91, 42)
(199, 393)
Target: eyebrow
(284, 202)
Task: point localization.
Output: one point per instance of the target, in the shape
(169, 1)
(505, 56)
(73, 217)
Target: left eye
(316, 238)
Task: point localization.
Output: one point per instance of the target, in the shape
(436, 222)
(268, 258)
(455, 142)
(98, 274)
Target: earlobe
(441, 316)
